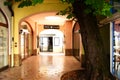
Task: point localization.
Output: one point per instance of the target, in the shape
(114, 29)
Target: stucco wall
(68, 38)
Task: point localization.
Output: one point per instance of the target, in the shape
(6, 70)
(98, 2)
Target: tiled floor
(45, 66)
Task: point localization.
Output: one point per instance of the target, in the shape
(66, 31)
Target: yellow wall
(21, 13)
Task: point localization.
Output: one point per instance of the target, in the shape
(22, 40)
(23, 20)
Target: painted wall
(22, 13)
(68, 38)
(40, 28)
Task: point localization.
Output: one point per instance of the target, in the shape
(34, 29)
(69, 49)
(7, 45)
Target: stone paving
(45, 66)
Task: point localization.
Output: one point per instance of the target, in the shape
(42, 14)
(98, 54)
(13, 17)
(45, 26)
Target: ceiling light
(52, 18)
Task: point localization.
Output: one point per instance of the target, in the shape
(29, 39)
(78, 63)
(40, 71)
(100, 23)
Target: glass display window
(3, 47)
(115, 48)
(3, 40)
(3, 19)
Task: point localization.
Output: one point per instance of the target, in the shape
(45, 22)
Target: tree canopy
(96, 7)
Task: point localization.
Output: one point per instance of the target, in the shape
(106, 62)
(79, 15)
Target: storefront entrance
(46, 44)
(3, 40)
(25, 40)
(51, 40)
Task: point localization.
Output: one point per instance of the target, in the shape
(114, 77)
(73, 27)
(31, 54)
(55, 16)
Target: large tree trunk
(96, 61)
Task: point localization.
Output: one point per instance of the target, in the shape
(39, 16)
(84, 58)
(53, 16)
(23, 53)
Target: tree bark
(96, 61)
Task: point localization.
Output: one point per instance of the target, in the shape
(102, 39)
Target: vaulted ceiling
(49, 18)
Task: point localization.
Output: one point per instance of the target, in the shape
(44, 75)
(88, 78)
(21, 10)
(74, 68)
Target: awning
(112, 18)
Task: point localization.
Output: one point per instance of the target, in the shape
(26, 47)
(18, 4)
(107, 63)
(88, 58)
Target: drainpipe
(11, 43)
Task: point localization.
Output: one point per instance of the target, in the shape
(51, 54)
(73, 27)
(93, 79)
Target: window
(115, 48)
(3, 40)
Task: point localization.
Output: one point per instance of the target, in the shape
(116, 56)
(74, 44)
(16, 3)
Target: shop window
(2, 18)
(115, 48)
(3, 47)
(3, 40)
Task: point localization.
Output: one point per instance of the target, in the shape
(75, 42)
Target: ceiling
(49, 18)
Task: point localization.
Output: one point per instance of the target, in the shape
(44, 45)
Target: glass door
(3, 47)
(44, 43)
(3, 40)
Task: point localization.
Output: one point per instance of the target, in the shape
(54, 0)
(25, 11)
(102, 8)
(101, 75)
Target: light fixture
(22, 31)
(52, 18)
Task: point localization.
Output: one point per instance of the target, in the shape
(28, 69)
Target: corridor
(45, 66)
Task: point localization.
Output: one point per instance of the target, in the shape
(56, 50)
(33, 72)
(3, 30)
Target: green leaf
(25, 3)
(98, 7)
(17, 0)
(63, 12)
(7, 3)
(88, 10)
(67, 1)
(34, 2)
(29, 3)
(69, 16)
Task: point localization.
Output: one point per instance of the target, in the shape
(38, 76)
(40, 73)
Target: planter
(73, 75)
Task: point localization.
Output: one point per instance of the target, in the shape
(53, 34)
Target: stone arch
(77, 42)
(26, 39)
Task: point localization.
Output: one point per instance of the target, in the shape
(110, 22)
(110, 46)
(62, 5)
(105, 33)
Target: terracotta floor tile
(41, 67)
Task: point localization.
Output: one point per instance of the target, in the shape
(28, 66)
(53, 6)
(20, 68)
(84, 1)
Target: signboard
(51, 26)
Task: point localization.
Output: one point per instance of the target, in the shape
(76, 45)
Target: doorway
(46, 44)
(50, 44)
(25, 35)
(51, 40)
(3, 41)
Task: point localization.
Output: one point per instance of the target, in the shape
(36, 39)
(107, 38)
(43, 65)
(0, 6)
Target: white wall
(58, 38)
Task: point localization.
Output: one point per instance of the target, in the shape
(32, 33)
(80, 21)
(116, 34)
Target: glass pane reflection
(3, 47)
(2, 18)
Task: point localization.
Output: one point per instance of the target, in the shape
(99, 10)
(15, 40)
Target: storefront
(25, 40)
(3, 40)
(114, 22)
(51, 40)
(116, 47)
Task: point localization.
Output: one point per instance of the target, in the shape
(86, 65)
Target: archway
(77, 42)
(26, 35)
(51, 40)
